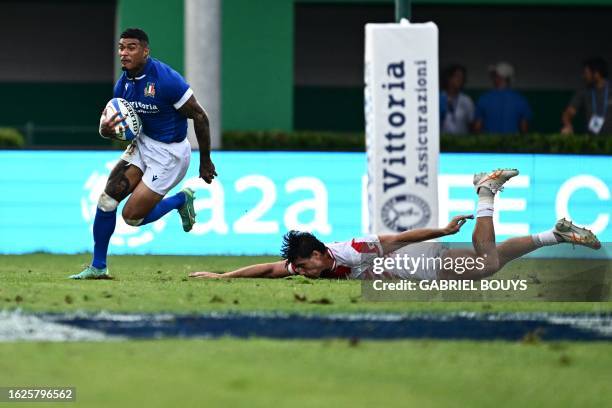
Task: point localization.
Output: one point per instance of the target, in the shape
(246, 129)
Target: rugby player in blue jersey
(158, 159)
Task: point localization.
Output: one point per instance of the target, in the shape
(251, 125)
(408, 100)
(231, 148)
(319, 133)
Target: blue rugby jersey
(156, 94)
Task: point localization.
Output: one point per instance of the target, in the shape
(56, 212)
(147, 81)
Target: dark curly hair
(136, 33)
(298, 244)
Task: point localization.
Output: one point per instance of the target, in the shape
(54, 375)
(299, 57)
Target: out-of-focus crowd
(504, 110)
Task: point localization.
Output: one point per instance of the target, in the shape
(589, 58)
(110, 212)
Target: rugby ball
(131, 125)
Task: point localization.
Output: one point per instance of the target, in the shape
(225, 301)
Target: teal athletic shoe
(187, 211)
(91, 273)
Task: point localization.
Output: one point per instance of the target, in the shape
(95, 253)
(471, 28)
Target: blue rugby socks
(104, 225)
(103, 228)
(164, 207)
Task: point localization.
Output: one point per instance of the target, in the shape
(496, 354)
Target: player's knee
(107, 203)
(492, 265)
(131, 217)
(133, 222)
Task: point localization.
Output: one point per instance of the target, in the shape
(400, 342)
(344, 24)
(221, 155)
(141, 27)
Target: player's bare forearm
(201, 126)
(393, 242)
(266, 270)
(192, 110)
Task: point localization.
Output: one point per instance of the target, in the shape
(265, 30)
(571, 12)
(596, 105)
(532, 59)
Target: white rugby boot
(566, 231)
(494, 180)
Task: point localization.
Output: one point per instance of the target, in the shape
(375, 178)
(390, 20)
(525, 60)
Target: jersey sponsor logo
(150, 89)
(144, 107)
(124, 235)
(405, 212)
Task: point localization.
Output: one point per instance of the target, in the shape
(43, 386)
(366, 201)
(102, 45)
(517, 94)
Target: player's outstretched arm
(192, 110)
(266, 270)
(393, 242)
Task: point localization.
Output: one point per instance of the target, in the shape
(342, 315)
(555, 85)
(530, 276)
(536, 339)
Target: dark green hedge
(299, 140)
(354, 142)
(529, 143)
(10, 137)
(331, 141)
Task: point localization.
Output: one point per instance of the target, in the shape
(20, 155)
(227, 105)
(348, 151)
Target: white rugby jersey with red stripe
(353, 259)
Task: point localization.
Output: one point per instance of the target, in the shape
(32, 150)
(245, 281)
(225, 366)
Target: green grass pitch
(159, 283)
(262, 372)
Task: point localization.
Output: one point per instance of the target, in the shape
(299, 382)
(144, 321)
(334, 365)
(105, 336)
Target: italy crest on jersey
(150, 89)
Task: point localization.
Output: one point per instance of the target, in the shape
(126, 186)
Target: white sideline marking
(18, 326)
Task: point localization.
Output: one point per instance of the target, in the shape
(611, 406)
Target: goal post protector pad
(402, 115)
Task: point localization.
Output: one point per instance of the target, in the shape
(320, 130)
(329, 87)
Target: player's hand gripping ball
(119, 120)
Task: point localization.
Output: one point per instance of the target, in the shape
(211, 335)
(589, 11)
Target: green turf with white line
(261, 372)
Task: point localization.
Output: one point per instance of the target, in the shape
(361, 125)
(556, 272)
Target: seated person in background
(502, 110)
(594, 98)
(456, 108)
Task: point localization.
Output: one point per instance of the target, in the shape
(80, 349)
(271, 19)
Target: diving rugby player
(158, 159)
(305, 255)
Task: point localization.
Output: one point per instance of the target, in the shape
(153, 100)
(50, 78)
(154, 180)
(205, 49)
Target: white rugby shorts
(163, 164)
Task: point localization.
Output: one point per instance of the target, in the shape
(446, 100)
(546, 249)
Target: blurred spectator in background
(502, 110)
(456, 108)
(594, 98)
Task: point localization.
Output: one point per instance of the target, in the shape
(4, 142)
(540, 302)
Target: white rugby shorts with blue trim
(163, 164)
